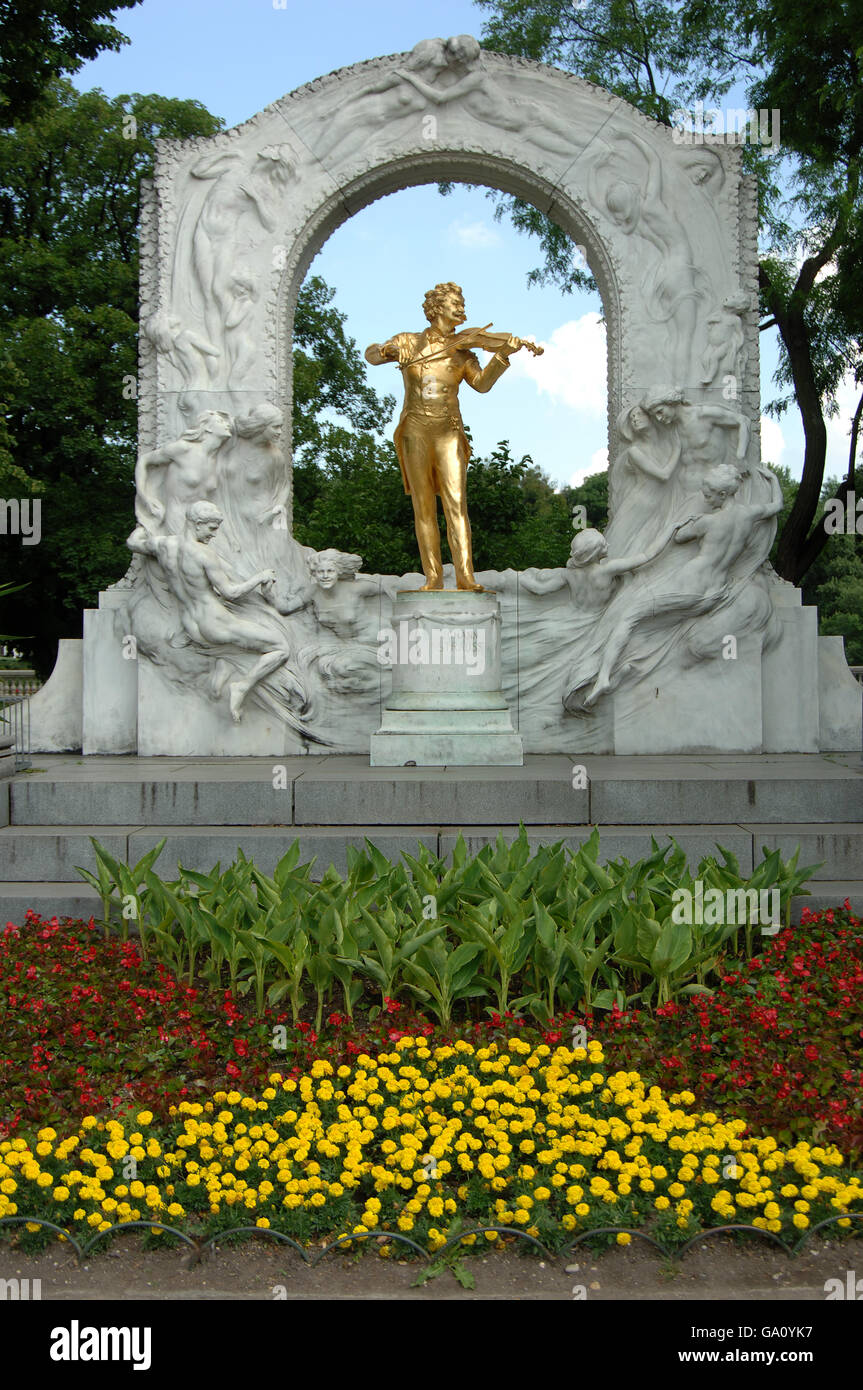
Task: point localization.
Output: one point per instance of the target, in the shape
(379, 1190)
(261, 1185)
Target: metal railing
(199, 1245)
(15, 730)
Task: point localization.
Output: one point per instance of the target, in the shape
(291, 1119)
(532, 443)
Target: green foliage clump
(526, 932)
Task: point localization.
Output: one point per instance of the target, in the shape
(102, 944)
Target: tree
(329, 377)
(835, 579)
(352, 498)
(814, 74)
(592, 495)
(356, 501)
(69, 206)
(40, 42)
(663, 57)
(840, 598)
(69, 200)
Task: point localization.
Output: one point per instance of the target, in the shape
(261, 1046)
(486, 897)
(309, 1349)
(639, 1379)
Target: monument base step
(780, 790)
(53, 853)
(494, 744)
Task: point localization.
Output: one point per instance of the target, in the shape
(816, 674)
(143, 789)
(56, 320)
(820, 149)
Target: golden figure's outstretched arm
(379, 353)
(395, 349)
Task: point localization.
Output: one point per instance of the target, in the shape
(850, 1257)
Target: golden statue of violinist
(430, 441)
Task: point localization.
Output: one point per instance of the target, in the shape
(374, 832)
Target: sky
(237, 56)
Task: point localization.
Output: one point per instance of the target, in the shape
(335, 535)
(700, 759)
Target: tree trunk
(795, 533)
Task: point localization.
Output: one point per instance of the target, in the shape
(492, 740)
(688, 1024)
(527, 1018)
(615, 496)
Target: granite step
(54, 852)
(781, 789)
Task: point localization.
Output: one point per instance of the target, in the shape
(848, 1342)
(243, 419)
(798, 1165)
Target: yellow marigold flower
(623, 1238)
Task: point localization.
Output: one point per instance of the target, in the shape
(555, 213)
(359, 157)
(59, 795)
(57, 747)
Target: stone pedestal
(446, 706)
(110, 697)
(839, 698)
(789, 677)
(56, 711)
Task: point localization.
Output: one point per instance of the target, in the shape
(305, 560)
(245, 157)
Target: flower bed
(778, 1041)
(427, 1140)
(88, 1026)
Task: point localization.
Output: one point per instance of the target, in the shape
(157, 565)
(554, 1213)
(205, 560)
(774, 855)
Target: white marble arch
(625, 650)
(232, 222)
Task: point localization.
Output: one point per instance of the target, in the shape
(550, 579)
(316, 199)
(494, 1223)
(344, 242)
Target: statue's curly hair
(724, 478)
(434, 298)
(587, 545)
(347, 565)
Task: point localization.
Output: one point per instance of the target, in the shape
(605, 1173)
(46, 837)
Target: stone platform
(446, 705)
(208, 808)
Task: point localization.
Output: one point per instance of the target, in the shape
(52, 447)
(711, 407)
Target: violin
(467, 338)
(489, 342)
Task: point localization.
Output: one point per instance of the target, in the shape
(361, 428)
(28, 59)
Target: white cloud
(572, 369)
(473, 236)
(598, 464)
(772, 440)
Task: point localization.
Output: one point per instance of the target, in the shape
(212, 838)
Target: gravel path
(719, 1269)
